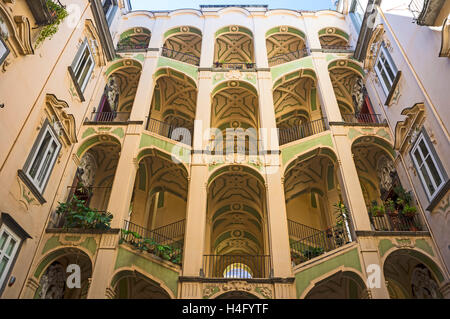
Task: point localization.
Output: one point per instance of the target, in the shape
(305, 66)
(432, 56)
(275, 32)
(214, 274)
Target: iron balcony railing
(337, 47)
(236, 266)
(235, 65)
(109, 117)
(362, 118)
(166, 130)
(416, 7)
(397, 222)
(165, 242)
(131, 47)
(180, 56)
(319, 244)
(288, 57)
(299, 231)
(295, 133)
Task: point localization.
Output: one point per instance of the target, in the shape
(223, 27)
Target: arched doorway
(412, 275)
(342, 285)
(134, 285)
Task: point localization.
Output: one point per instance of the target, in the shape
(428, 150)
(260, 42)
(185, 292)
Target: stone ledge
(373, 233)
(274, 280)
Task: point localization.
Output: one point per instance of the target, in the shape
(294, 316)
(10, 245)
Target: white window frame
(47, 130)
(424, 163)
(388, 58)
(77, 65)
(11, 234)
(353, 10)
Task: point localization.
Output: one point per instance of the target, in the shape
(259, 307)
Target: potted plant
(377, 210)
(249, 65)
(389, 205)
(409, 211)
(58, 14)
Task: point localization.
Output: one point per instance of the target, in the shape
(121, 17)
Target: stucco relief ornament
(4, 33)
(358, 95)
(88, 168)
(423, 286)
(52, 283)
(112, 92)
(385, 170)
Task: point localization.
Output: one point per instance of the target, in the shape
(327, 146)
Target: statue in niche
(112, 92)
(423, 285)
(52, 283)
(385, 172)
(87, 169)
(358, 95)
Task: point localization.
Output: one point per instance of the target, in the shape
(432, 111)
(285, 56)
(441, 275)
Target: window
(4, 50)
(9, 243)
(42, 158)
(357, 13)
(83, 66)
(426, 163)
(109, 9)
(385, 69)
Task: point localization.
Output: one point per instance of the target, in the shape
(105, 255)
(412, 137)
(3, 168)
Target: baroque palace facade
(111, 165)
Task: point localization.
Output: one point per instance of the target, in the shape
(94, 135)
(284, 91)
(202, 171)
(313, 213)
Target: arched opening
(53, 283)
(134, 285)
(411, 275)
(351, 94)
(137, 38)
(119, 93)
(316, 224)
(285, 44)
(183, 44)
(158, 208)
(236, 239)
(235, 116)
(342, 285)
(173, 105)
(333, 39)
(234, 48)
(91, 187)
(297, 107)
(390, 207)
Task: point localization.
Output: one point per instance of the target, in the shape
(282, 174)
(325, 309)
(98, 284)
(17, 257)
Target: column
(197, 194)
(276, 205)
(349, 180)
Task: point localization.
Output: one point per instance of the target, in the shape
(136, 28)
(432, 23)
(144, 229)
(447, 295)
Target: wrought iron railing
(298, 231)
(288, 57)
(295, 133)
(416, 7)
(131, 47)
(235, 65)
(319, 244)
(165, 242)
(249, 147)
(362, 118)
(397, 222)
(337, 47)
(180, 56)
(109, 116)
(166, 130)
(236, 266)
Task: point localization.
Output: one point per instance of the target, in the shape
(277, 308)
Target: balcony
(288, 57)
(319, 243)
(427, 12)
(109, 117)
(288, 135)
(235, 65)
(167, 130)
(362, 119)
(237, 266)
(165, 242)
(41, 12)
(126, 47)
(180, 56)
(337, 48)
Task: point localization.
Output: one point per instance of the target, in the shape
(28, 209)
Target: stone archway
(341, 285)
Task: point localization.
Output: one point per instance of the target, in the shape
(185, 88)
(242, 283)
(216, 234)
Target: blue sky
(273, 4)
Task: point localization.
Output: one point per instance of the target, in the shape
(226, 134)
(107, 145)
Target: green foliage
(78, 215)
(377, 210)
(313, 252)
(341, 212)
(166, 252)
(409, 211)
(390, 205)
(59, 14)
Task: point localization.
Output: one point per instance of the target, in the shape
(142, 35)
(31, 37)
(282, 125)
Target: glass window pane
(427, 179)
(9, 250)
(418, 157)
(80, 66)
(3, 264)
(85, 73)
(47, 162)
(40, 155)
(385, 79)
(390, 72)
(3, 239)
(434, 172)
(423, 148)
